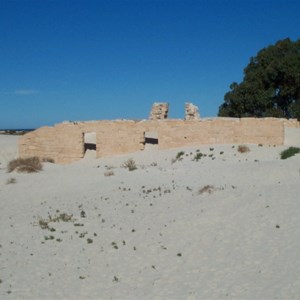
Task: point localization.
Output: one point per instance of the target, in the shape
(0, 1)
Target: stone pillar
(159, 111)
(191, 112)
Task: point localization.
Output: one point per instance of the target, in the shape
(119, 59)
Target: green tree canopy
(271, 84)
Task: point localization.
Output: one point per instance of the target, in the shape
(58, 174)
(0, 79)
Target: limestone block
(191, 112)
(159, 111)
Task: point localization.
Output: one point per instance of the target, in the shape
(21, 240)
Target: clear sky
(91, 60)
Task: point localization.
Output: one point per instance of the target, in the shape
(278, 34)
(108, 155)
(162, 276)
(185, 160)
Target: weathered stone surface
(191, 112)
(159, 111)
(65, 142)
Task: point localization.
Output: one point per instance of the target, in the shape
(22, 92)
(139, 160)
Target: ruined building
(67, 142)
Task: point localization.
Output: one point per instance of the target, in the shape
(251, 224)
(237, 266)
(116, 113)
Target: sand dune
(224, 227)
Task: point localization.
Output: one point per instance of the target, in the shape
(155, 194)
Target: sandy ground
(158, 232)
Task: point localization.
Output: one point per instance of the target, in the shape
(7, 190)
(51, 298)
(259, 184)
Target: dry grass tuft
(243, 149)
(130, 165)
(207, 189)
(25, 165)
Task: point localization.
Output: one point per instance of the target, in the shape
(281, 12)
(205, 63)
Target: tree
(271, 84)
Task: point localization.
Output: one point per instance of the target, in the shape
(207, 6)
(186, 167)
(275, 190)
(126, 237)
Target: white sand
(8, 148)
(241, 241)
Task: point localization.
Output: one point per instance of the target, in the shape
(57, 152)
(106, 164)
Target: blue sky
(92, 60)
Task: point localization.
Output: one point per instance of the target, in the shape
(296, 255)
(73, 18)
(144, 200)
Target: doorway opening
(90, 144)
(151, 140)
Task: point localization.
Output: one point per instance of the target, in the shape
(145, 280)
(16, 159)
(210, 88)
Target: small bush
(25, 165)
(130, 164)
(291, 151)
(243, 149)
(179, 155)
(198, 156)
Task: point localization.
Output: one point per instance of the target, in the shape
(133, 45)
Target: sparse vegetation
(243, 149)
(25, 165)
(109, 167)
(114, 245)
(44, 223)
(207, 189)
(109, 173)
(48, 159)
(291, 151)
(198, 156)
(11, 180)
(179, 156)
(130, 164)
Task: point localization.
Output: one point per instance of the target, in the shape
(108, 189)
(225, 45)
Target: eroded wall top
(159, 111)
(191, 111)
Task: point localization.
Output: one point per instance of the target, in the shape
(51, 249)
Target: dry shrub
(130, 165)
(25, 165)
(109, 173)
(207, 189)
(48, 159)
(243, 149)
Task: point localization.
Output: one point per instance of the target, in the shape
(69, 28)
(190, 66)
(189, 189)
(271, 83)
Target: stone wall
(65, 142)
(291, 123)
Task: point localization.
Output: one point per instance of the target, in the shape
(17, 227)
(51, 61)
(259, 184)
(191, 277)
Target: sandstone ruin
(159, 111)
(191, 112)
(69, 141)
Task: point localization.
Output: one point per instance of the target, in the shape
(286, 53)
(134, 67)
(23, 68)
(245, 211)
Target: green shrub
(179, 155)
(198, 156)
(291, 151)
